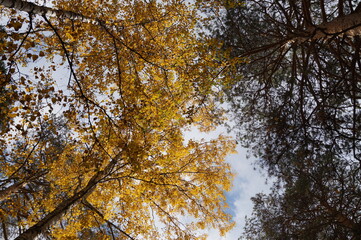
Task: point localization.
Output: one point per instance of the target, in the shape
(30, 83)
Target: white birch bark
(33, 8)
(10, 190)
(4, 193)
(61, 209)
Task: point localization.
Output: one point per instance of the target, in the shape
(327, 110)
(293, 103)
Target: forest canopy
(95, 97)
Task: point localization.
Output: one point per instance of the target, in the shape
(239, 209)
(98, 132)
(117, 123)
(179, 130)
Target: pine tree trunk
(339, 216)
(349, 25)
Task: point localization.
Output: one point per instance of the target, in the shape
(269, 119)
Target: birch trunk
(10, 190)
(32, 8)
(21, 184)
(61, 209)
(3, 225)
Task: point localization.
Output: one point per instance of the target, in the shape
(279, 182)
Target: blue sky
(247, 183)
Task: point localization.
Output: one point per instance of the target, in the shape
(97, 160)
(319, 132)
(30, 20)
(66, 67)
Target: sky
(247, 183)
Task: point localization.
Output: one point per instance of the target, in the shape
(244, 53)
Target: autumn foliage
(94, 102)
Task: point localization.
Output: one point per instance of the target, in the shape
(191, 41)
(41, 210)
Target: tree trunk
(61, 209)
(3, 225)
(17, 186)
(13, 188)
(342, 219)
(32, 8)
(349, 25)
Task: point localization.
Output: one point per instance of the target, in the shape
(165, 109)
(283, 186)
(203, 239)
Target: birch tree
(137, 75)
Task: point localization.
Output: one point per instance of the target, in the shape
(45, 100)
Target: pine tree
(298, 107)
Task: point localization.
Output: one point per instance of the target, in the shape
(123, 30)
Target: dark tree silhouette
(297, 106)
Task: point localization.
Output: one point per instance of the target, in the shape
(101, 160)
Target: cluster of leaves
(298, 107)
(101, 155)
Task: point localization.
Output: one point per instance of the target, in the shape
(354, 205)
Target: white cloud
(247, 183)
